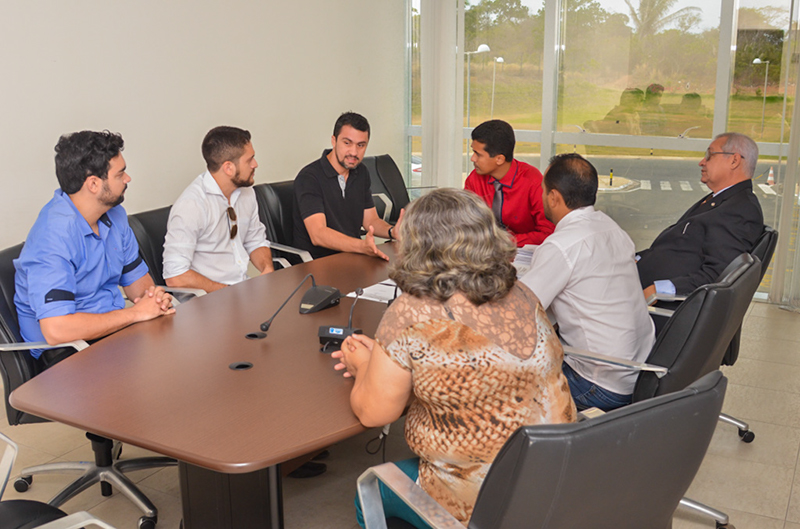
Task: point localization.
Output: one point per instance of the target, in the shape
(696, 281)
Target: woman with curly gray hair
(468, 341)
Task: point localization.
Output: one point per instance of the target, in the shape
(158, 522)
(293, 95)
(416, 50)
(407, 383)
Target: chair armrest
(181, 290)
(281, 261)
(387, 212)
(658, 311)
(408, 491)
(304, 255)
(6, 462)
(76, 521)
(638, 366)
(27, 346)
(590, 413)
(670, 297)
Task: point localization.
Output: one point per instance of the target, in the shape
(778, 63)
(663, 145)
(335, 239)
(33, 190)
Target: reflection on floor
(757, 484)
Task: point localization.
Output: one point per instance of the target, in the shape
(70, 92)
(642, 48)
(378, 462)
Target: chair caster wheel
(23, 483)
(724, 526)
(747, 436)
(146, 522)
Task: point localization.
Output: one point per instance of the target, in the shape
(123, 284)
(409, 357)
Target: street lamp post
(483, 48)
(494, 75)
(764, 104)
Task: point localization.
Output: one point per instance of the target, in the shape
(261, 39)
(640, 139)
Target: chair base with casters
(23, 514)
(104, 471)
(745, 433)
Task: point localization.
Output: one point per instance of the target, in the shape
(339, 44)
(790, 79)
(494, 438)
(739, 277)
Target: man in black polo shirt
(333, 200)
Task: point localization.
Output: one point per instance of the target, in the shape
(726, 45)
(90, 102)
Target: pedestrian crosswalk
(666, 185)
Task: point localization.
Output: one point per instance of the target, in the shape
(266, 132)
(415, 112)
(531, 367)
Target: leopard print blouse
(479, 373)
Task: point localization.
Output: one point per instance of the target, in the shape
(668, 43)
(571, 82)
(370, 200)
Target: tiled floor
(757, 484)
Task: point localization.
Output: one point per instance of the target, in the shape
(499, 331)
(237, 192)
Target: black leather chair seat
(27, 514)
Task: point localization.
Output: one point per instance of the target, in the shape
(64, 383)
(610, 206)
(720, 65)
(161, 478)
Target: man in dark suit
(727, 222)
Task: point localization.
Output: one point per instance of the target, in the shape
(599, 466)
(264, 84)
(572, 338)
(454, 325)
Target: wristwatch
(391, 238)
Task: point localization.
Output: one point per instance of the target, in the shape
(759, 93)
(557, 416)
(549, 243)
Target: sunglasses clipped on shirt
(234, 225)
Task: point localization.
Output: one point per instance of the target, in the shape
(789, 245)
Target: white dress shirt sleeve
(186, 221)
(256, 236)
(549, 273)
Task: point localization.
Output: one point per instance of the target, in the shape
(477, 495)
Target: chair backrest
(386, 178)
(627, 468)
(270, 212)
(285, 228)
(694, 340)
(16, 367)
(765, 247)
(150, 229)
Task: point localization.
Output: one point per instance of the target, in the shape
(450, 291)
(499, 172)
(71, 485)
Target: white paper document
(522, 261)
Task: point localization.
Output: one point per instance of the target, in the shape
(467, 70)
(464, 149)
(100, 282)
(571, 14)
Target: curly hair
(80, 155)
(450, 242)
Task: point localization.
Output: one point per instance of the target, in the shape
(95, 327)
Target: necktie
(497, 202)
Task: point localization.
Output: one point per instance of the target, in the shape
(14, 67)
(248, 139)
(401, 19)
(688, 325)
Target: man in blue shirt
(80, 250)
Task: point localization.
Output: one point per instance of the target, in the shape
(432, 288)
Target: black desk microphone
(321, 297)
(331, 337)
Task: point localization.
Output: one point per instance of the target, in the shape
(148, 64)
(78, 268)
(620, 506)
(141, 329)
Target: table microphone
(265, 326)
(327, 296)
(331, 337)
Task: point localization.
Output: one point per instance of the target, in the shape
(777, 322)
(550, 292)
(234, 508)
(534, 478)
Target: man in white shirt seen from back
(214, 228)
(585, 275)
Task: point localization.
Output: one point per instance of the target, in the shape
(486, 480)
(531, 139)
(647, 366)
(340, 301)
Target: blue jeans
(587, 394)
(394, 507)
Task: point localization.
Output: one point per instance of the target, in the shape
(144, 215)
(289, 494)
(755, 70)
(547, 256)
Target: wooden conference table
(166, 385)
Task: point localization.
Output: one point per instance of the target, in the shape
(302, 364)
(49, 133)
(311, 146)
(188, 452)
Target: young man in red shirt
(513, 189)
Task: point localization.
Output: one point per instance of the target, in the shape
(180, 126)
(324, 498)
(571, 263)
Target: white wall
(163, 73)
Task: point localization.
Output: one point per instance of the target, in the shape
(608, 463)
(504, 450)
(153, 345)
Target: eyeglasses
(709, 154)
(234, 225)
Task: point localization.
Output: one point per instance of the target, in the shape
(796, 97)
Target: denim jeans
(394, 507)
(586, 394)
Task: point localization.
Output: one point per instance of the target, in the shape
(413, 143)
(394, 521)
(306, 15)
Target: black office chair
(29, 514)
(627, 468)
(693, 342)
(388, 186)
(275, 205)
(763, 249)
(17, 366)
(150, 230)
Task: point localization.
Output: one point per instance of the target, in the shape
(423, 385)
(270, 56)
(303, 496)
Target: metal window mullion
(551, 65)
(728, 21)
(439, 55)
(780, 291)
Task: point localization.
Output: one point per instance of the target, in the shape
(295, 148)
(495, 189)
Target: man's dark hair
(224, 144)
(357, 121)
(498, 136)
(83, 154)
(574, 177)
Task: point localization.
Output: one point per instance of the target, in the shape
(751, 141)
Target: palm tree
(651, 16)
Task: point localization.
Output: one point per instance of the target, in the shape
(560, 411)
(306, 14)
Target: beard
(348, 165)
(107, 199)
(238, 181)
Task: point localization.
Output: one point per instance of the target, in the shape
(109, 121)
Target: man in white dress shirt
(214, 228)
(585, 276)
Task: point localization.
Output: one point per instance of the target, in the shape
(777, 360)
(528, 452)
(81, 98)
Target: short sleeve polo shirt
(65, 268)
(317, 190)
